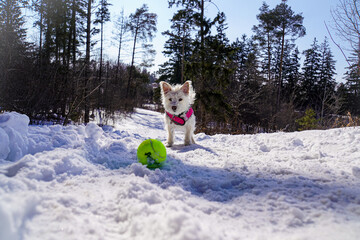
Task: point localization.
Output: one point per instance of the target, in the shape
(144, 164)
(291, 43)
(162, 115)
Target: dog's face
(177, 99)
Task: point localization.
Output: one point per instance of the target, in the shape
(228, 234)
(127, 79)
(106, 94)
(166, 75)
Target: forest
(254, 84)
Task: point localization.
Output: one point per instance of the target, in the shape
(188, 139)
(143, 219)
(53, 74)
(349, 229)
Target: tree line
(256, 83)
(58, 77)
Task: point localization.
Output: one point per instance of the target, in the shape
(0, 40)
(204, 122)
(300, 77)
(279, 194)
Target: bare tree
(346, 18)
(121, 29)
(346, 21)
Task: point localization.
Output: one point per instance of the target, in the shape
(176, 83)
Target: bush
(308, 121)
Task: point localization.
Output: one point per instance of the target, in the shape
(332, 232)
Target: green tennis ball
(152, 153)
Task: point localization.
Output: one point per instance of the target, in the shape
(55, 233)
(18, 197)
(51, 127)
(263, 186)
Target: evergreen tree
(291, 73)
(352, 86)
(61, 24)
(217, 71)
(13, 55)
(308, 121)
(264, 33)
(142, 25)
(209, 65)
(245, 88)
(102, 16)
(177, 47)
(317, 88)
(13, 33)
(38, 6)
(246, 60)
(287, 23)
(89, 32)
(326, 83)
(310, 76)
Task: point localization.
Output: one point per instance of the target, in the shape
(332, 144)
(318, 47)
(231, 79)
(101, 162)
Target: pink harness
(180, 120)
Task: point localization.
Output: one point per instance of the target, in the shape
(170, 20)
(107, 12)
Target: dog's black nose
(174, 108)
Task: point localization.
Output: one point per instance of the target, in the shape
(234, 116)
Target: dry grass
(346, 121)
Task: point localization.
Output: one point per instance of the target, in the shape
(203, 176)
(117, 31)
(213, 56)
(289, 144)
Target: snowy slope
(80, 182)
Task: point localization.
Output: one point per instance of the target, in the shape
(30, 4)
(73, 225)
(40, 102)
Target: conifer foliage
(63, 75)
(257, 83)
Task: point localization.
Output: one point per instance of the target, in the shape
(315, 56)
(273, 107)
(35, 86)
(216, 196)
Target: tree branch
(332, 39)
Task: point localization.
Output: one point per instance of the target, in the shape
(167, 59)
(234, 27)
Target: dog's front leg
(170, 139)
(188, 136)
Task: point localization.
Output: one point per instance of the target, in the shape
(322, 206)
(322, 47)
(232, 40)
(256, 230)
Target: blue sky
(241, 17)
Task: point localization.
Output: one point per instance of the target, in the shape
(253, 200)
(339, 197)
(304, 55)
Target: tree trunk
(132, 60)
(87, 62)
(73, 37)
(101, 62)
(41, 32)
(183, 55)
(280, 83)
(120, 45)
(269, 58)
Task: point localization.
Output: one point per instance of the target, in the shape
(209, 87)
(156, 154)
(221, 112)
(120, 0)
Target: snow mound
(84, 182)
(13, 136)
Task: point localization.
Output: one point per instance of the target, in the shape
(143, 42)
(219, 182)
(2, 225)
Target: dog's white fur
(177, 100)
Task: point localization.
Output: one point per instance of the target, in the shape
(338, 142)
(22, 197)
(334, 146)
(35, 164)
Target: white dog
(179, 115)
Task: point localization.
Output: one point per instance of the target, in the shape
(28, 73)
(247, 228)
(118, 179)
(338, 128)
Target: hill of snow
(84, 182)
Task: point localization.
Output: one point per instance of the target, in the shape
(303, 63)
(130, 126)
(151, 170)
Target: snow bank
(84, 182)
(13, 136)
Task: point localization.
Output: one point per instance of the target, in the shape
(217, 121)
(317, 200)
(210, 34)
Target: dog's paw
(168, 144)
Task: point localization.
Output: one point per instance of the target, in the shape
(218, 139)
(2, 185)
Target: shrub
(308, 121)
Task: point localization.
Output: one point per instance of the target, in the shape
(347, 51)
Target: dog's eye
(180, 99)
(170, 99)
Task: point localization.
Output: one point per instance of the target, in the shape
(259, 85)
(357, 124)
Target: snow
(13, 135)
(84, 182)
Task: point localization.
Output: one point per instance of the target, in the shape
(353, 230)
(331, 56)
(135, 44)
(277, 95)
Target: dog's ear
(186, 87)
(165, 87)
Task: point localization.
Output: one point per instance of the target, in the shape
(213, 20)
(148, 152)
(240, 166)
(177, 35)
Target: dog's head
(177, 99)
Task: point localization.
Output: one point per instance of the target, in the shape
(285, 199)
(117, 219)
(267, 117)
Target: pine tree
(102, 16)
(287, 24)
(308, 121)
(38, 6)
(310, 76)
(13, 33)
(89, 32)
(177, 47)
(317, 87)
(264, 33)
(352, 86)
(142, 25)
(209, 63)
(212, 72)
(326, 83)
(245, 88)
(246, 60)
(277, 28)
(291, 73)
(13, 54)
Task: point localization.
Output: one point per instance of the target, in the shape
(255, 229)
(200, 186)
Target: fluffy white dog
(179, 115)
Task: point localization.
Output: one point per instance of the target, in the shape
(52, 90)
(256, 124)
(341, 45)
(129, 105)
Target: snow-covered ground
(80, 182)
